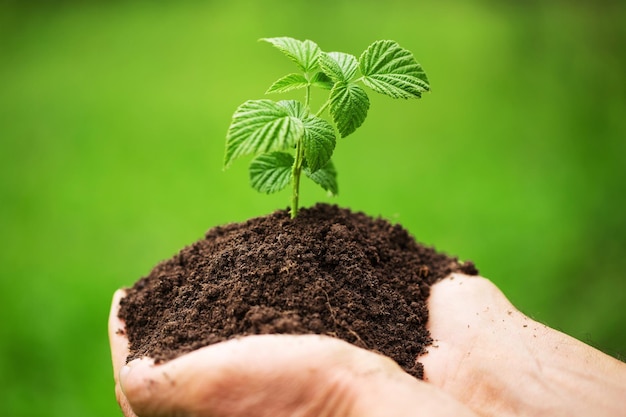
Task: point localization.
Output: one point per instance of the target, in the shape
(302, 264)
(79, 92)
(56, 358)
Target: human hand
(272, 375)
(486, 354)
(499, 362)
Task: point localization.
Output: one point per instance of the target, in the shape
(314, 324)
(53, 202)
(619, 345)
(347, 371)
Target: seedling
(287, 138)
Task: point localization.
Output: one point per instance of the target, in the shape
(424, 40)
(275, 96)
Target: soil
(330, 271)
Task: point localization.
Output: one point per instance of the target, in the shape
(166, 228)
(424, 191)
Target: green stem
(307, 96)
(324, 107)
(296, 170)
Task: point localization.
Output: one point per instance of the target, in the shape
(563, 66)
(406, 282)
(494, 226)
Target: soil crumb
(330, 271)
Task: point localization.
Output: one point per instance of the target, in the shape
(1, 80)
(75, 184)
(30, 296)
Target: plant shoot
(288, 138)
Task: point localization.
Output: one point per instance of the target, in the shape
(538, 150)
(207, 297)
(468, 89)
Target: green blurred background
(112, 124)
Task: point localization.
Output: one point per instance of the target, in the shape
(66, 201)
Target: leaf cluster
(287, 138)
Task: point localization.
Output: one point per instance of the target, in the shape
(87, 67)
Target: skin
(499, 362)
(488, 359)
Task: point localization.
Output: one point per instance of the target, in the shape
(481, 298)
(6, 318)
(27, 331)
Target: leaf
(338, 66)
(260, 126)
(348, 107)
(303, 53)
(288, 83)
(319, 142)
(322, 80)
(271, 172)
(294, 108)
(318, 137)
(389, 69)
(326, 177)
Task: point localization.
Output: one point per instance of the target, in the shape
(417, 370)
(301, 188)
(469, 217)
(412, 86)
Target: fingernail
(123, 376)
(124, 371)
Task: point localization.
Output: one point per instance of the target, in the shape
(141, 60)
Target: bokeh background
(112, 123)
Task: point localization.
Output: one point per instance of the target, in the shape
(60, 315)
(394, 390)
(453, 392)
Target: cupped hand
(487, 359)
(272, 376)
(498, 362)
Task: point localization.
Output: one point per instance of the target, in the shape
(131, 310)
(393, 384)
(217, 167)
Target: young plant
(288, 138)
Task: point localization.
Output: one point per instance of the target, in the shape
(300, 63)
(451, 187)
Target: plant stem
(321, 110)
(296, 170)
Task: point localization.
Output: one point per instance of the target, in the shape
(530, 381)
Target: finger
(119, 350)
(479, 353)
(462, 299)
(465, 314)
(117, 335)
(281, 375)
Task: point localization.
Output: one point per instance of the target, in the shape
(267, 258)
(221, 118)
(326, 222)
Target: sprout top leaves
(303, 53)
(390, 69)
(287, 138)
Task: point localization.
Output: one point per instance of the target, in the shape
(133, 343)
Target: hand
(486, 354)
(272, 375)
(497, 361)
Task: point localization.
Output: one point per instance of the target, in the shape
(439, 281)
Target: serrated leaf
(338, 65)
(319, 142)
(271, 172)
(303, 53)
(322, 80)
(326, 177)
(348, 107)
(294, 108)
(288, 83)
(260, 126)
(389, 69)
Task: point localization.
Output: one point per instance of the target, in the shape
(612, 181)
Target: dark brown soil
(329, 271)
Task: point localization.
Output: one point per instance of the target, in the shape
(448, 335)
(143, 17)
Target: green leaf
(326, 177)
(271, 172)
(348, 107)
(294, 108)
(319, 142)
(389, 69)
(322, 80)
(338, 66)
(260, 126)
(288, 83)
(303, 53)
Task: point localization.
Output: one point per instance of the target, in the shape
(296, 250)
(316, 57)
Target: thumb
(280, 376)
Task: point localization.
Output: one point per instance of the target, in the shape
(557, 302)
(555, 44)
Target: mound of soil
(329, 271)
